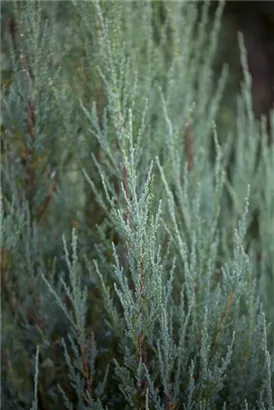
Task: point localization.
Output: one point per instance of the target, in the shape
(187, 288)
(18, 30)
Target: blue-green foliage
(164, 298)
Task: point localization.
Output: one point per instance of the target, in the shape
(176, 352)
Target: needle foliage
(137, 251)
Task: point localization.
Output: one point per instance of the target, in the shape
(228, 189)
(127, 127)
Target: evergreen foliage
(137, 252)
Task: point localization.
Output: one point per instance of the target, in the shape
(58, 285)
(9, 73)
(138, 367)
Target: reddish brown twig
(86, 367)
(48, 199)
(224, 318)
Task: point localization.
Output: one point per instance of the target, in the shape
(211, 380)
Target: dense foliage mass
(137, 252)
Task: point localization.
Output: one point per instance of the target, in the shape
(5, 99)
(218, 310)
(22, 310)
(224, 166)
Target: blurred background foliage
(254, 19)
